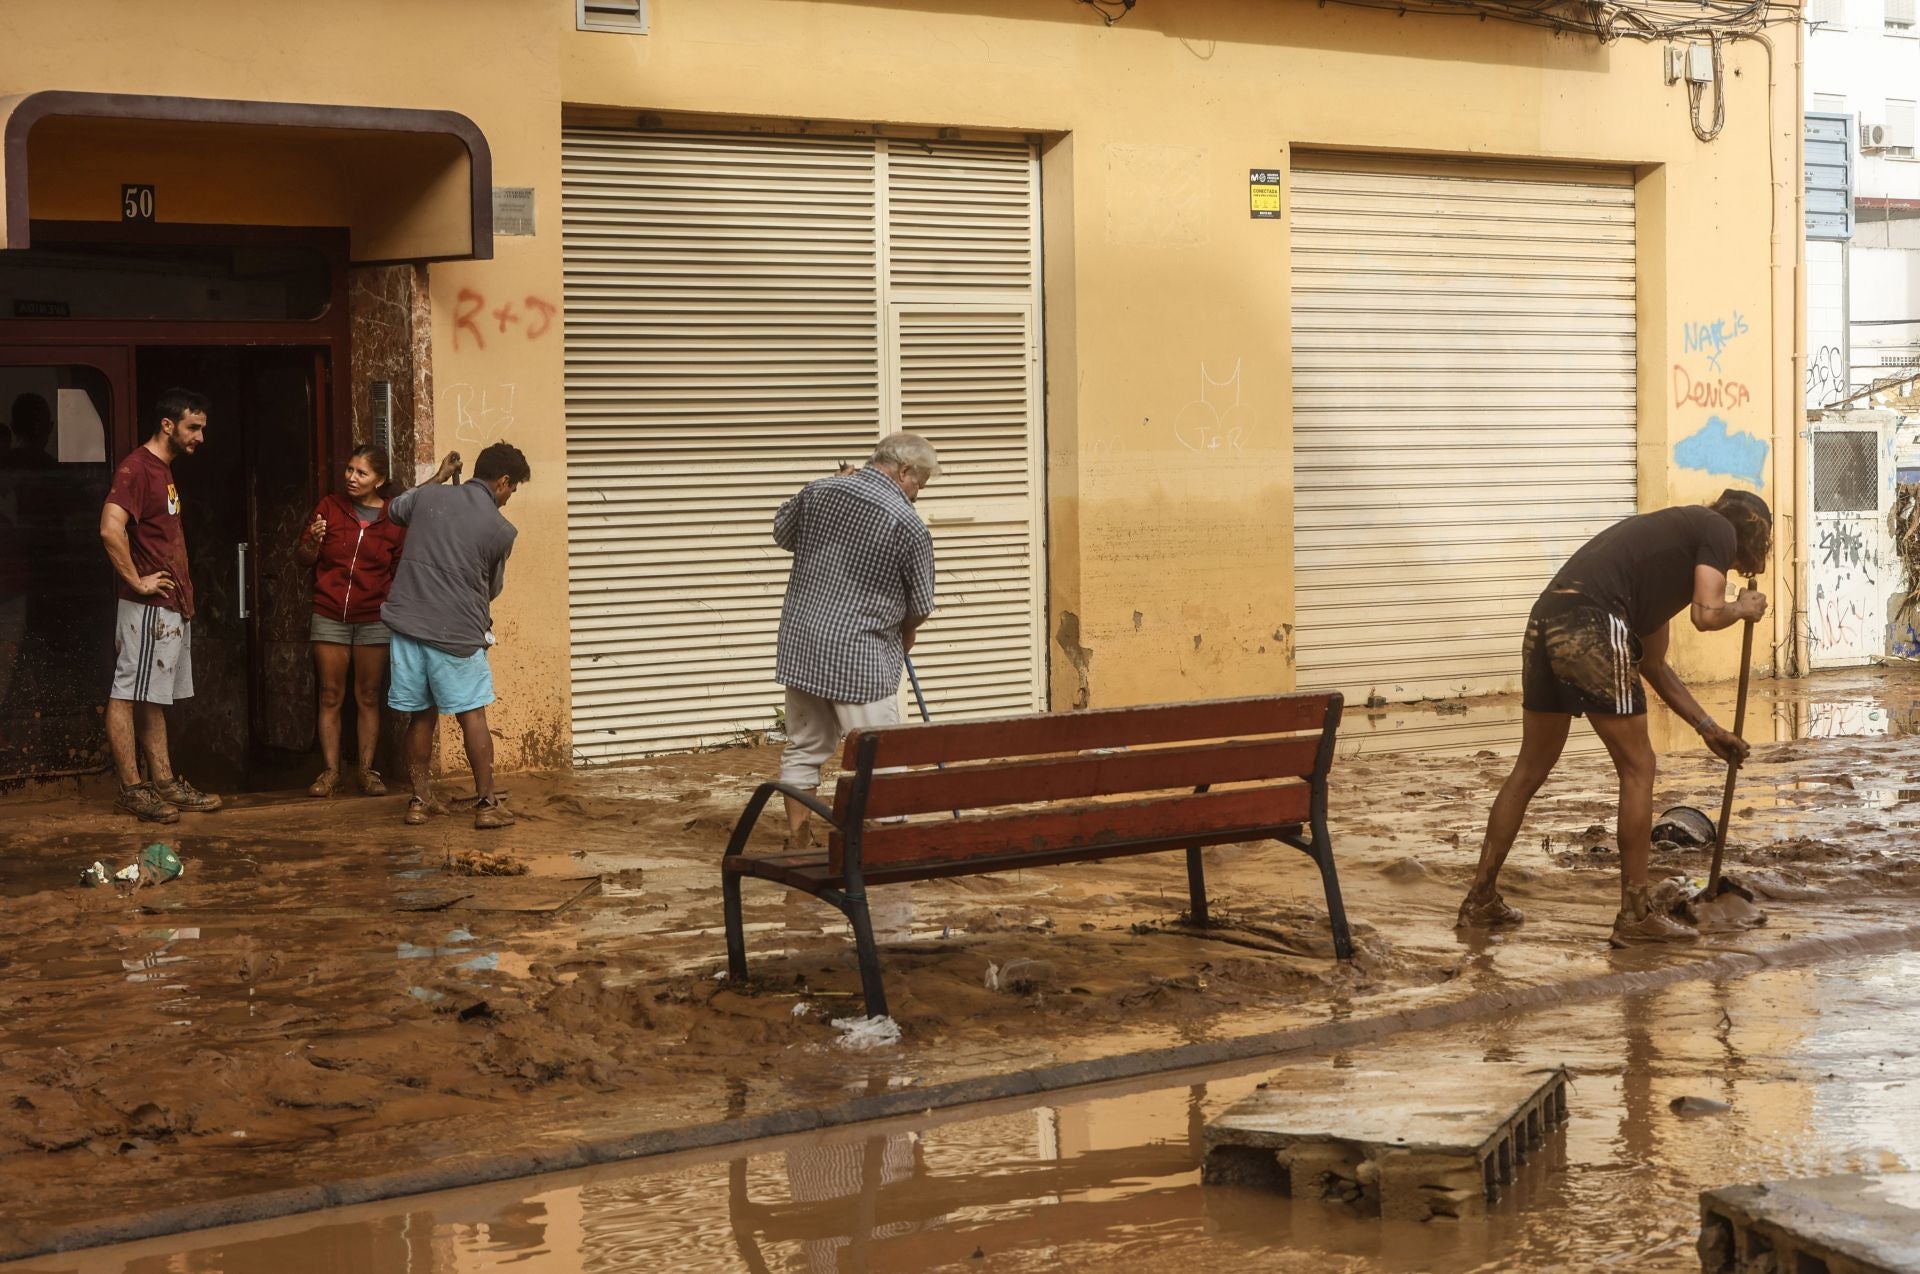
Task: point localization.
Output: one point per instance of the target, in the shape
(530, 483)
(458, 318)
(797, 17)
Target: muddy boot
(181, 794)
(1491, 912)
(419, 811)
(371, 784)
(141, 801)
(489, 813)
(324, 785)
(1644, 919)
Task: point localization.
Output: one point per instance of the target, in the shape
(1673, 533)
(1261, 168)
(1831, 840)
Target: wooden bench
(918, 802)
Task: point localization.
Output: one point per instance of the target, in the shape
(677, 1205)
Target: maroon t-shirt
(143, 486)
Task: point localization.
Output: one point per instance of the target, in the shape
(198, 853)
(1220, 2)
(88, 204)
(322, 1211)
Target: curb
(1030, 1083)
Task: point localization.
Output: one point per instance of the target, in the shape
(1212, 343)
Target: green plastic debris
(158, 863)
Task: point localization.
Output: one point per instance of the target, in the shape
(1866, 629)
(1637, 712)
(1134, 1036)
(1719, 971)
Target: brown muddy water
(1819, 1068)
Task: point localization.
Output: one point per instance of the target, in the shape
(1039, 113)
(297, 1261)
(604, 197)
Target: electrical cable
(1107, 9)
(1697, 91)
(1606, 22)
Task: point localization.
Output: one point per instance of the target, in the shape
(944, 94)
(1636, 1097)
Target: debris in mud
(480, 862)
(859, 1034)
(1683, 825)
(1405, 869)
(1693, 1107)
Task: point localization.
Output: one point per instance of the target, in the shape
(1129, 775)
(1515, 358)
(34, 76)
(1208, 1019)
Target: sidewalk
(318, 999)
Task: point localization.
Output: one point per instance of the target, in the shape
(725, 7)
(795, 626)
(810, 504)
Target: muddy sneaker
(141, 801)
(1487, 913)
(489, 813)
(371, 784)
(181, 794)
(324, 785)
(419, 811)
(1643, 920)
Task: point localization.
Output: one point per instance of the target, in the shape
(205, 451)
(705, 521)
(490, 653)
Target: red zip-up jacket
(356, 563)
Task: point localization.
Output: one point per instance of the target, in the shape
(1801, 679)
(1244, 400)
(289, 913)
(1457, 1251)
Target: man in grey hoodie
(440, 611)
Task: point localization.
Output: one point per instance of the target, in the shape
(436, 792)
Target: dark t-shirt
(1641, 568)
(143, 486)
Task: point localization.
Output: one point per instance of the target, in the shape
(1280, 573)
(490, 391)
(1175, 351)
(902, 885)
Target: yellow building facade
(1269, 343)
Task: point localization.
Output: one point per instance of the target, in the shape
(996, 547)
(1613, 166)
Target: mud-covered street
(325, 996)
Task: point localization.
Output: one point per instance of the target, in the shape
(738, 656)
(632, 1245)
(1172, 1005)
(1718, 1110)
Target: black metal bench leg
(1336, 910)
(869, 953)
(736, 931)
(1196, 888)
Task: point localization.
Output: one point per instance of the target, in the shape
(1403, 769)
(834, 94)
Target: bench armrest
(761, 795)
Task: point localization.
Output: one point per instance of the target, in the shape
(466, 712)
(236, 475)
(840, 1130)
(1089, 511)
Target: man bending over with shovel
(1597, 631)
(861, 585)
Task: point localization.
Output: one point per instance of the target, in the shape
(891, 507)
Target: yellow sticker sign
(1263, 192)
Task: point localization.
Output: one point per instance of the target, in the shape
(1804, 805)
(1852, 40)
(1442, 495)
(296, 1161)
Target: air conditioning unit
(1874, 135)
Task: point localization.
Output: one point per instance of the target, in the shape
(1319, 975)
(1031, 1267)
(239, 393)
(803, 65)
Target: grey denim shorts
(335, 633)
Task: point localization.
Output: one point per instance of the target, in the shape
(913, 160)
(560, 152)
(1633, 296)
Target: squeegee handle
(1733, 770)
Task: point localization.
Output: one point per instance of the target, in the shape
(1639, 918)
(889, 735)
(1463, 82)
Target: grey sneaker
(181, 794)
(141, 801)
(1648, 917)
(489, 814)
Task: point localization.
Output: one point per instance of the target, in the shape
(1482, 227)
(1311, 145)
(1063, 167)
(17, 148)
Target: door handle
(241, 557)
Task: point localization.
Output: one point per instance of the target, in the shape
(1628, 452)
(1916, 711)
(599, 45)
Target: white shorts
(815, 727)
(152, 654)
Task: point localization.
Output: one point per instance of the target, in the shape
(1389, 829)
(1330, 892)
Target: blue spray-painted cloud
(1718, 450)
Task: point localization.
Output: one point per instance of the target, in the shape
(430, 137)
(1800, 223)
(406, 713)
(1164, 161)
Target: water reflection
(1812, 1063)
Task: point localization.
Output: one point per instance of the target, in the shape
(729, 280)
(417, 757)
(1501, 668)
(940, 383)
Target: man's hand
(449, 468)
(1725, 744)
(1751, 604)
(152, 585)
(844, 470)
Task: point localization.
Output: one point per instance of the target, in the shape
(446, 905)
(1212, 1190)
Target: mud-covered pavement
(321, 998)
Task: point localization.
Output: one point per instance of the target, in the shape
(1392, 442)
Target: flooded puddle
(1818, 1069)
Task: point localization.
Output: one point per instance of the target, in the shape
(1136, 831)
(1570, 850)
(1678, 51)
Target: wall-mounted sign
(24, 308)
(136, 203)
(1263, 192)
(513, 209)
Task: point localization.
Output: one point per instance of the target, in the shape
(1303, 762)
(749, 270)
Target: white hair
(907, 452)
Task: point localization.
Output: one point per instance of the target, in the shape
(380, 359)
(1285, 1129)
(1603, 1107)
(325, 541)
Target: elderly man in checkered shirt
(862, 584)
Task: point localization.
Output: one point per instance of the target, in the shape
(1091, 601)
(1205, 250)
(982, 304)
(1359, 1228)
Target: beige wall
(1154, 270)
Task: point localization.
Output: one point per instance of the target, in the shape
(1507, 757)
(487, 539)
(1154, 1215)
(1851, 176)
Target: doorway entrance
(77, 381)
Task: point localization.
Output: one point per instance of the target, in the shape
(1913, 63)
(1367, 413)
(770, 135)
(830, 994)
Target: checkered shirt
(862, 566)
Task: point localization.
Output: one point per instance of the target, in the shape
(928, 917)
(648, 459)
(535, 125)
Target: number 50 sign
(136, 203)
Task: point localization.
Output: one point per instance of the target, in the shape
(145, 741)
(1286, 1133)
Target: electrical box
(1676, 63)
(1699, 64)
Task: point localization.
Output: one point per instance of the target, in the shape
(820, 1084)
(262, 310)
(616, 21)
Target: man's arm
(1724, 744)
(1711, 611)
(113, 538)
(786, 522)
(499, 581)
(400, 508)
(917, 579)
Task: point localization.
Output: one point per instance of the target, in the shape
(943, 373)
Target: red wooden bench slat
(1241, 814)
(1096, 728)
(1082, 775)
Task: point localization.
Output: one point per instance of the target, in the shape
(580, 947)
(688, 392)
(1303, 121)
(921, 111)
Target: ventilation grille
(1846, 471)
(627, 17)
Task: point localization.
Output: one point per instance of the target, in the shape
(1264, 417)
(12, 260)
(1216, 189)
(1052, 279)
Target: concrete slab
(1858, 1223)
(1369, 1138)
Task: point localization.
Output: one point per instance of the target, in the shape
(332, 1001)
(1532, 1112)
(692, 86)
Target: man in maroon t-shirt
(153, 628)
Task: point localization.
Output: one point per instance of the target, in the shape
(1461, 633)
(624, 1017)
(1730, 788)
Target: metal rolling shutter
(1464, 409)
(729, 337)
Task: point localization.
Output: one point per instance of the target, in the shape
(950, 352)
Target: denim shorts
(332, 632)
(426, 679)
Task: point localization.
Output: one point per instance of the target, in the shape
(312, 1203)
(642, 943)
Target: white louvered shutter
(729, 337)
(1464, 410)
(963, 298)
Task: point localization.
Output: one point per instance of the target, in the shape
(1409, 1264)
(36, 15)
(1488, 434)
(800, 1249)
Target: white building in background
(1863, 294)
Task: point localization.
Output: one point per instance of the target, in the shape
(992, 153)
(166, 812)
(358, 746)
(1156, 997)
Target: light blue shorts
(424, 679)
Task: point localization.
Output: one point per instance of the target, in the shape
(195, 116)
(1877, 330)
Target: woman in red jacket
(353, 548)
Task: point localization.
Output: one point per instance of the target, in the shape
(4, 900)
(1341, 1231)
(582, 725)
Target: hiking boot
(371, 784)
(181, 794)
(1644, 919)
(419, 811)
(141, 801)
(324, 785)
(1491, 912)
(489, 813)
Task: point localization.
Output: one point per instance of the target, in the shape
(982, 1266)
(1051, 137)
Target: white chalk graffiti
(1217, 421)
(482, 415)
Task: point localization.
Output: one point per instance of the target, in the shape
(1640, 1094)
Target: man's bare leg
(120, 741)
(420, 754)
(1542, 736)
(479, 744)
(1633, 759)
(799, 828)
(150, 726)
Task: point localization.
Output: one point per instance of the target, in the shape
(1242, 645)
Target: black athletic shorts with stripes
(1580, 658)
